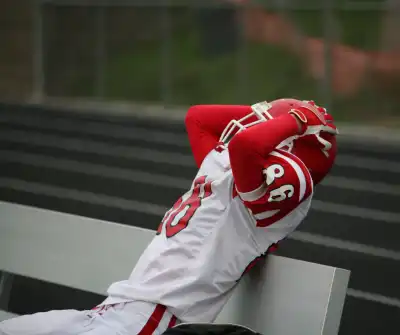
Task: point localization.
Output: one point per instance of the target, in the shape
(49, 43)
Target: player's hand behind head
(308, 114)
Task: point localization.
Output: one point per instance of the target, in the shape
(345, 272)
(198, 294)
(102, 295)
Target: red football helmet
(316, 147)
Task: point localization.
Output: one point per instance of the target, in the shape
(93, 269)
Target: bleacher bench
(287, 296)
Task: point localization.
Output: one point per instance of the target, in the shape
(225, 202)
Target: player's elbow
(192, 115)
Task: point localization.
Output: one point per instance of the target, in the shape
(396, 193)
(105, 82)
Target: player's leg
(135, 317)
(47, 323)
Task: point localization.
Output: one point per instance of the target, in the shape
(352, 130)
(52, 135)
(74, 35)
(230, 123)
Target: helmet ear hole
(299, 115)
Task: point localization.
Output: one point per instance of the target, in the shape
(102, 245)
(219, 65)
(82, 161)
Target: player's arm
(270, 182)
(205, 123)
(248, 150)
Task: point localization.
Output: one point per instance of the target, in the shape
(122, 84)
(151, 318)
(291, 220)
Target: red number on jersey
(178, 217)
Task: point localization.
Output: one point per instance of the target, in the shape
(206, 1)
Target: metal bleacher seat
(281, 297)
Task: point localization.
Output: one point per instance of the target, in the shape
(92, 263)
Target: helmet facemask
(259, 114)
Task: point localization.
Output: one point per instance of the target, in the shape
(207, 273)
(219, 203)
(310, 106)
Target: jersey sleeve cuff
(253, 195)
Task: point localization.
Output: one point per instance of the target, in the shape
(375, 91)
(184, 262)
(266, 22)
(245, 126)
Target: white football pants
(128, 318)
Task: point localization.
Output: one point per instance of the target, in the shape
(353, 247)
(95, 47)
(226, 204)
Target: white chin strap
(311, 130)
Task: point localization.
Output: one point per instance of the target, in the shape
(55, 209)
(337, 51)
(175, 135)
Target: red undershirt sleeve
(205, 123)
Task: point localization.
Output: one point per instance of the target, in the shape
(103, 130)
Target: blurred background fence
(345, 54)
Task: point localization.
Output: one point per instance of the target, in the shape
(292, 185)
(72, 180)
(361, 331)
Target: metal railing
(345, 54)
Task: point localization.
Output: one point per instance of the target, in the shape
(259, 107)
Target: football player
(258, 166)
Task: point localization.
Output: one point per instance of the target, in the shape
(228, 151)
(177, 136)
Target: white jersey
(208, 239)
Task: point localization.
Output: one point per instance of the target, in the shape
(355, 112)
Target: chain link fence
(344, 54)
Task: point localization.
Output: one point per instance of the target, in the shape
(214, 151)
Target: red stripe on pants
(172, 322)
(154, 321)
